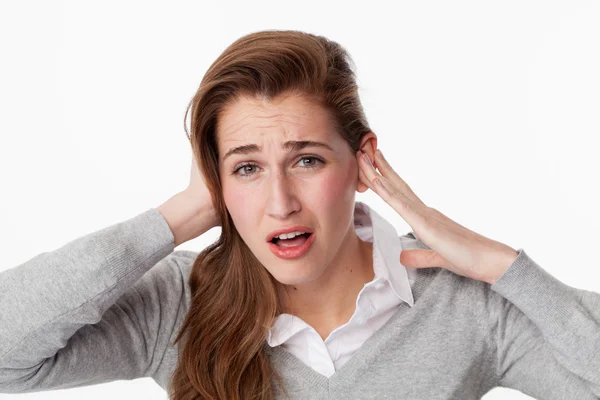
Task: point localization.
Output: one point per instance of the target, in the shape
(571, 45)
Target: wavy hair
(234, 298)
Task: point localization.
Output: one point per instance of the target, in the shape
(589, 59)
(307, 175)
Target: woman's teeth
(293, 241)
(290, 235)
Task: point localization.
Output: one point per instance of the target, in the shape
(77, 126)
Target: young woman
(307, 293)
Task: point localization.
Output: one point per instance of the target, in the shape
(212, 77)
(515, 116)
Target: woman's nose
(282, 197)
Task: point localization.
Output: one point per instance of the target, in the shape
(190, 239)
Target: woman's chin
(292, 277)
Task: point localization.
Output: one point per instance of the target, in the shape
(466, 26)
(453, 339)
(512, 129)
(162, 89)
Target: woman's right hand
(198, 191)
(190, 212)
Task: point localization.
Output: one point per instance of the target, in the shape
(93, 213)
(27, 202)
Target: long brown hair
(234, 298)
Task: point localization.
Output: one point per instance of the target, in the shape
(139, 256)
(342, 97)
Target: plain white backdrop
(489, 111)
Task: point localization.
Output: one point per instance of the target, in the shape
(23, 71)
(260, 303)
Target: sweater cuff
(548, 302)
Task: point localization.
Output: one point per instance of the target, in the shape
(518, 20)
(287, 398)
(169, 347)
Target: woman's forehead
(294, 110)
(292, 118)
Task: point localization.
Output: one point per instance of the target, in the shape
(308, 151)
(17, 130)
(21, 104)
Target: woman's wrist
(187, 218)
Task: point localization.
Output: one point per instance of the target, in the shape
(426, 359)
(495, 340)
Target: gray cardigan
(107, 306)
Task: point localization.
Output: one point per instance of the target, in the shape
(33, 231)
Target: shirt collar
(372, 227)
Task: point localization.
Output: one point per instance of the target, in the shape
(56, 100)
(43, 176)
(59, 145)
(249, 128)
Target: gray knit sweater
(107, 306)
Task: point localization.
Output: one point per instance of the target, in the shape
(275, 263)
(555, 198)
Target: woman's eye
(314, 164)
(308, 158)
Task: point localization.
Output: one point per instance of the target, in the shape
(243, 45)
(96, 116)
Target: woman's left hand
(453, 246)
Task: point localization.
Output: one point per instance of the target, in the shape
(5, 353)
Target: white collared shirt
(375, 304)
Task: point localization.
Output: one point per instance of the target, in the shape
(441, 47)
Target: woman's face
(273, 186)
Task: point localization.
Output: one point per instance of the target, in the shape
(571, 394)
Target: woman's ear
(368, 145)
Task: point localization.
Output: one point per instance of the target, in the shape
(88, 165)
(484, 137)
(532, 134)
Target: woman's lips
(294, 251)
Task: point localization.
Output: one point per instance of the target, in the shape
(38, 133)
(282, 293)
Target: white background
(489, 111)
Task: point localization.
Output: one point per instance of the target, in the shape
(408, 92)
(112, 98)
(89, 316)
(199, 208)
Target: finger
(374, 180)
(363, 178)
(369, 171)
(422, 258)
(410, 208)
(382, 186)
(377, 182)
(361, 173)
(388, 172)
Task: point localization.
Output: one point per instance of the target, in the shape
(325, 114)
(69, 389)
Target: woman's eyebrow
(291, 145)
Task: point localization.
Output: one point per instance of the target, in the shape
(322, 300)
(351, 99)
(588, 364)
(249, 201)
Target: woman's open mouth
(291, 248)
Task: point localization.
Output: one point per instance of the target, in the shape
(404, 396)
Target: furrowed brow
(292, 145)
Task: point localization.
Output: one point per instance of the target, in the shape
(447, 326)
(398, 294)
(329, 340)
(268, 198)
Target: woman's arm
(548, 334)
(91, 311)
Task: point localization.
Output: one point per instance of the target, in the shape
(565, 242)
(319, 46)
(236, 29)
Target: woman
(343, 308)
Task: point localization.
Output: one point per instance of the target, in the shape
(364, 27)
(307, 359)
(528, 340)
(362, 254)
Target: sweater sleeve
(98, 309)
(548, 334)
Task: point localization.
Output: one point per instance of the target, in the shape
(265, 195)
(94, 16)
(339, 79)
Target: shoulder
(452, 290)
(178, 262)
(184, 259)
(167, 281)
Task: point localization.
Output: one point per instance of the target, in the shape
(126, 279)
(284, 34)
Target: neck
(330, 301)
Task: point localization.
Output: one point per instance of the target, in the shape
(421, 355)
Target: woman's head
(268, 185)
(266, 89)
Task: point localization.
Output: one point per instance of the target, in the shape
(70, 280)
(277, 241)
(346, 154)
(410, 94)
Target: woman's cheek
(330, 189)
(239, 203)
